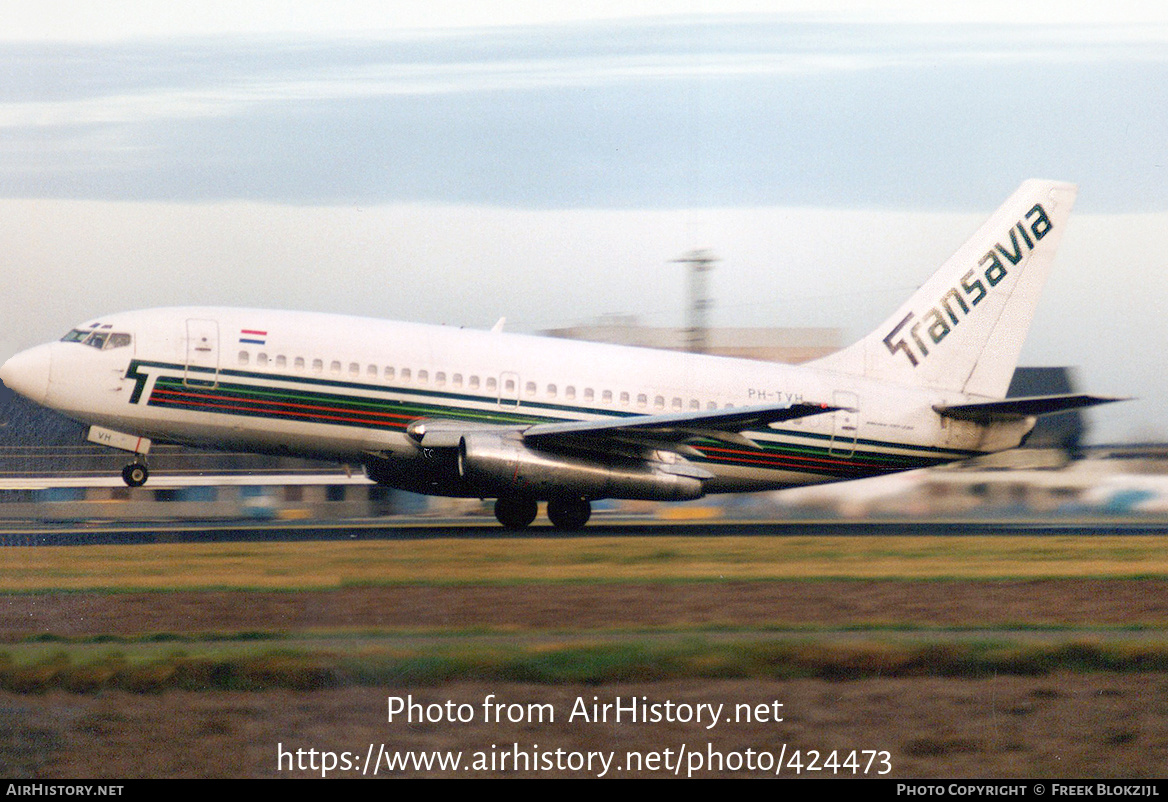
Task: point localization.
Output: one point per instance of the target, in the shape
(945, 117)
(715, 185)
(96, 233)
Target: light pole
(700, 262)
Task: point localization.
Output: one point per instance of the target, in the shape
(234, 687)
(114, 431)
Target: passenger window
(570, 392)
(389, 374)
(624, 399)
(588, 394)
(474, 382)
(659, 402)
(243, 357)
(423, 376)
(695, 404)
(318, 366)
(606, 397)
(298, 364)
(354, 369)
(335, 367)
(371, 372)
(440, 378)
(405, 374)
(281, 361)
(677, 404)
(491, 384)
(551, 391)
(509, 385)
(457, 380)
(642, 399)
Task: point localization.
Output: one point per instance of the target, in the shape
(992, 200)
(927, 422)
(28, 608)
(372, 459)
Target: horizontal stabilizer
(1015, 408)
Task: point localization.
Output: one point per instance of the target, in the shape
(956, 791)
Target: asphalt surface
(35, 533)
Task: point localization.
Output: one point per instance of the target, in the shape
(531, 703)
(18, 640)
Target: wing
(635, 434)
(672, 431)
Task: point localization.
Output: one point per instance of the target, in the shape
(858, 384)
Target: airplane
(524, 419)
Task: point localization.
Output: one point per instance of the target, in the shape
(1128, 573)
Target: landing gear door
(202, 354)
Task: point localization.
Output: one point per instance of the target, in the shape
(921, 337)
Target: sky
(456, 162)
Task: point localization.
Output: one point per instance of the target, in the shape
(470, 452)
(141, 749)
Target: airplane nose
(28, 372)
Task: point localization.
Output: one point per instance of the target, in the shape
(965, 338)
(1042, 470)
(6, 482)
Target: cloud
(190, 79)
(84, 21)
(670, 112)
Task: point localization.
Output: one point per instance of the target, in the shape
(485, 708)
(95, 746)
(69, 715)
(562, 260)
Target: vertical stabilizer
(964, 328)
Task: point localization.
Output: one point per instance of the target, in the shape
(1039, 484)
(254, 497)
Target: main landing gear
(567, 514)
(135, 474)
(515, 513)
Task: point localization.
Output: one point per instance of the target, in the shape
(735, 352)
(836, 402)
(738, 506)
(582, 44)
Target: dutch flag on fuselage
(253, 336)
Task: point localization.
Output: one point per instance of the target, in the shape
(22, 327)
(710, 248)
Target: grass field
(227, 652)
(261, 667)
(960, 656)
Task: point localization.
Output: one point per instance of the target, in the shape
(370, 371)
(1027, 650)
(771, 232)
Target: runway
(425, 528)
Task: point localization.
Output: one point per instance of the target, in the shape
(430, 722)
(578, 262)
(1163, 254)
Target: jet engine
(500, 464)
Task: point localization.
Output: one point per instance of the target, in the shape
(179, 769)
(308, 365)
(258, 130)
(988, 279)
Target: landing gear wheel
(135, 474)
(569, 514)
(515, 513)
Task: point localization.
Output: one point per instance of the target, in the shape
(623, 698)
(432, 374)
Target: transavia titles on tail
(524, 419)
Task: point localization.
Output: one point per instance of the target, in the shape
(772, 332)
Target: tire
(135, 474)
(516, 513)
(569, 514)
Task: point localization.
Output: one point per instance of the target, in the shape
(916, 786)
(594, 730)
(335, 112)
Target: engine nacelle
(501, 465)
(433, 472)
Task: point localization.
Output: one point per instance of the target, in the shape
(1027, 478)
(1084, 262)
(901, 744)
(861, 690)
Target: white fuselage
(346, 388)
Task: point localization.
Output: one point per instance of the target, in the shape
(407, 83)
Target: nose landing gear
(135, 474)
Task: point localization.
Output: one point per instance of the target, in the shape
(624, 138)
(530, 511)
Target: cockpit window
(101, 340)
